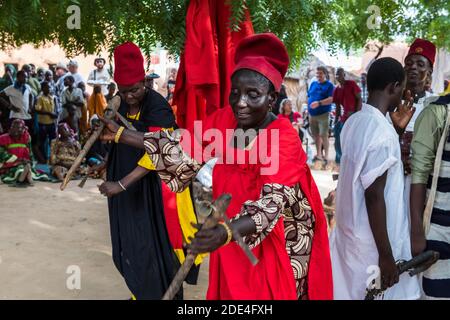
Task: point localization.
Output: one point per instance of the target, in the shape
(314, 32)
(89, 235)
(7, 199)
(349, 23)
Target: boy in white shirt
(371, 220)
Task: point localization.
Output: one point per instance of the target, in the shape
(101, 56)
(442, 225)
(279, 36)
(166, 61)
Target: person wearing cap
(73, 71)
(141, 236)
(430, 231)
(60, 70)
(275, 205)
(418, 67)
(149, 80)
(100, 76)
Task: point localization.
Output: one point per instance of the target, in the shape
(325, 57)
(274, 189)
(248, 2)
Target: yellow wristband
(229, 232)
(118, 134)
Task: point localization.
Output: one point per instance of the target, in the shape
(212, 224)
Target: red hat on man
(265, 54)
(128, 64)
(424, 48)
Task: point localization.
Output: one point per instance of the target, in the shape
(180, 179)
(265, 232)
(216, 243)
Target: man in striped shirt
(429, 128)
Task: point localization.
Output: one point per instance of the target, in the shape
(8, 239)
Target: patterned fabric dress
(13, 153)
(64, 153)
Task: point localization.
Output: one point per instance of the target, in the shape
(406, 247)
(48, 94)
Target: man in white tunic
(371, 221)
(100, 76)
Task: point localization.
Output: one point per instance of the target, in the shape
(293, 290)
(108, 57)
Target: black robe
(141, 248)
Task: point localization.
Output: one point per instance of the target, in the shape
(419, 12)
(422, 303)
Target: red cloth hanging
(206, 65)
(203, 85)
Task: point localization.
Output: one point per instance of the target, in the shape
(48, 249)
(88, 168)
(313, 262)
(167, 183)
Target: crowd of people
(56, 114)
(328, 107)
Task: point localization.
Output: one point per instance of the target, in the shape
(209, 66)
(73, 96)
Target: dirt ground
(48, 237)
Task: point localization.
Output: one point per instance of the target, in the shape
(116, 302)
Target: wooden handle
(125, 122)
(110, 112)
(220, 207)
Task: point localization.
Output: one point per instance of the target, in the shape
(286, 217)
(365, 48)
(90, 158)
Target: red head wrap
(265, 54)
(128, 64)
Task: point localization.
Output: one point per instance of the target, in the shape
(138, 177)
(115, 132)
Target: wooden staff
(219, 208)
(110, 112)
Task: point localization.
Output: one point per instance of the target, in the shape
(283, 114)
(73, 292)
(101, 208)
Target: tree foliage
(104, 23)
(301, 24)
(305, 24)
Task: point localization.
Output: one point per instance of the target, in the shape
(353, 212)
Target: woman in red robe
(275, 203)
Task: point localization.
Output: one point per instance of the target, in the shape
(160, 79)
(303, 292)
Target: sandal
(317, 159)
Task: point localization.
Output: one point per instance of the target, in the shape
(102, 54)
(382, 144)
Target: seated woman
(64, 151)
(275, 203)
(16, 166)
(294, 117)
(71, 118)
